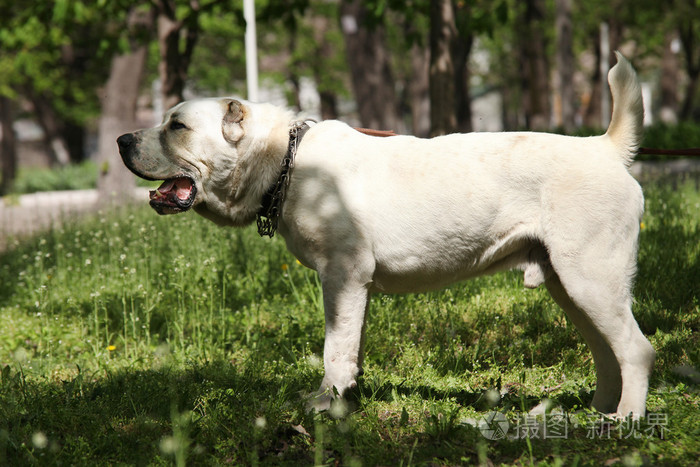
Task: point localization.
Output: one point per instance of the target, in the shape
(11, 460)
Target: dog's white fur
(404, 214)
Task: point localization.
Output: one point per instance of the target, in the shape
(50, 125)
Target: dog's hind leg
(599, 304)
(608, 376)
(590, 230)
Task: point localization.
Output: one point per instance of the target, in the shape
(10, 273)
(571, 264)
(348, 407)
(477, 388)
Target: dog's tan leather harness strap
(271, 205)
(380, 133)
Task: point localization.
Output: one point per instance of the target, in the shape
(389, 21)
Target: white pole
(251, 50)
(604, 68)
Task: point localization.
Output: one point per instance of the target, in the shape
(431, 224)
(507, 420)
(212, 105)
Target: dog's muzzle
(176, 194)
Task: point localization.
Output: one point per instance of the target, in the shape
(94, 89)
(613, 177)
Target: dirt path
(27, 214)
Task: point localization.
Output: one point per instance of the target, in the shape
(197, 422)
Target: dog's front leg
(345, 301)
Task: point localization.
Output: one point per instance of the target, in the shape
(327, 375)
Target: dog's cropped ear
(231, 124)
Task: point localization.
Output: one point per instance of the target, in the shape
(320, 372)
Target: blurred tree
(323, 57)
(532, 50)
(8, 147)
(590, 17)
(407, 29)
(218, 61)
(565, 64)
(178, 30)
(327, 56)
(688, 20)
(177, 36)
(462, 48)
(119, 100)
(473, 18)
(308, 44)
(438, 49)
(55, 56)
(443, 34)
(669, 80)
(370, 66)
(667, 33)
(418, 89)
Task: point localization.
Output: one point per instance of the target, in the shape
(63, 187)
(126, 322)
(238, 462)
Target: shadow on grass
(668, 278)
(479, 400)
(140, 416)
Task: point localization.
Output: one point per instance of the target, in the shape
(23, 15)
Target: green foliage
(81, 176)
(131, 338)
(329, 71)
(218, 62)
(60, 51)
(678, 136)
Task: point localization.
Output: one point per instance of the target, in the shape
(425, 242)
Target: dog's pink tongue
(166, 186)
(178, 187)
(184, 188)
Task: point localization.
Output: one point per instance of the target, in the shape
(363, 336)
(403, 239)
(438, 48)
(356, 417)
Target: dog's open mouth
(174, 195)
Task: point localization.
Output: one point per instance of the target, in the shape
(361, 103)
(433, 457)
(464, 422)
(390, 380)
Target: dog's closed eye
(175, 125)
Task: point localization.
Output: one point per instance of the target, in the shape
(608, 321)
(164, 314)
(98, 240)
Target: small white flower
(39, 440)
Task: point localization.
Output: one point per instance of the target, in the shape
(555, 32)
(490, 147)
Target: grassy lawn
(136, 339)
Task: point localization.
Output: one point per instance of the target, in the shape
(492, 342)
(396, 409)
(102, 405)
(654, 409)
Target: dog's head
(217, 156)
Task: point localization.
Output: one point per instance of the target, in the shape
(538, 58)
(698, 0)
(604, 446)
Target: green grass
(136, 339)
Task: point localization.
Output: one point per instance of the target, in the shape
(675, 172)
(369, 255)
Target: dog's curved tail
(626, 125)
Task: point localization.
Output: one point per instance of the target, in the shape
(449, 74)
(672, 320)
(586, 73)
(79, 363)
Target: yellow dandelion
(299, 263)
(285, 266)
(642, 226)
(112, 348)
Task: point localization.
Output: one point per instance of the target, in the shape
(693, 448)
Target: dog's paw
(320, 401)
(621, 416)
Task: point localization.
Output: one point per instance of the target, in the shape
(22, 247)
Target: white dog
(404, 214)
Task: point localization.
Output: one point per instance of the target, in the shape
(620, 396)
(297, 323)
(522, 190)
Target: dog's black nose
(125, 142)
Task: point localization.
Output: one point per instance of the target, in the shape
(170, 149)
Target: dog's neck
(271, 205)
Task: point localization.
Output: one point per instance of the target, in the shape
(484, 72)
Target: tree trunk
(463, 47)
(690, 92)
(119, 113)
(592, 109)
(419, 91)
(293, 75)
(74, 136)
(54, 142)
(8, 146)
(174, 61)
(670, 68)
(370, 69)
(533, 56)
(565, 65)
(443, 119)
(324, 52)
(692, 64)
(592, 114)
